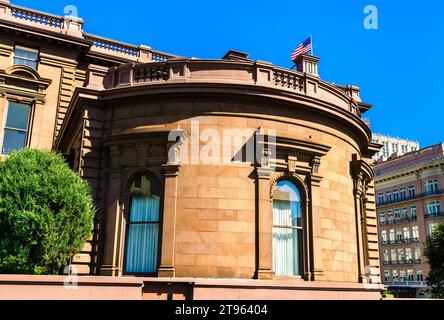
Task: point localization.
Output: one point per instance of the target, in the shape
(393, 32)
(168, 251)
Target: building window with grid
(408, 255)
(382, 218)
(415, 233)
(419, 275)
(402, 275)
(380, 199)
(15, 134)
(431, 187)
(384, 237)
(402, 194)
(386, 275)
(26, 56)
(395, 195)
(410, 275)
(386, 149)
(385, 256)
(392, 236)
(395, 275)
(397, 215)
(394, 147)
(390, 216)
(417, 255)
(411, 192)
(413, 214)
(431, 227)
(388, 196)
(406, 232)
(404, 216)
(433, 209)
(401, 257)
(398, 235)
(393, 256)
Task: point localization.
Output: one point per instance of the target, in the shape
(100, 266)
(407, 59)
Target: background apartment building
(410, 195)
(392, 145)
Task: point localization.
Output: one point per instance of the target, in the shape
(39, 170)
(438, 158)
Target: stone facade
(112, 112)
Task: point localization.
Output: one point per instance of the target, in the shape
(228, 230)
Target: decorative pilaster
(317, 271)
(357, 193)
(166, 268)
(362, 175)
(264, 220)
(112, 262)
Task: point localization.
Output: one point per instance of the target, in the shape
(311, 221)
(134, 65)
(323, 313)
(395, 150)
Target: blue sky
(399, 66)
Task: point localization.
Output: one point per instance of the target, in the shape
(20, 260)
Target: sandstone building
(211, 177)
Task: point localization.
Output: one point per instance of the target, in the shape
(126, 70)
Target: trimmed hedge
(46, 212)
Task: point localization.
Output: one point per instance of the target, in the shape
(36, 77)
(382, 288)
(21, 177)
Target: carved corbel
(291, 163)
(315, 163)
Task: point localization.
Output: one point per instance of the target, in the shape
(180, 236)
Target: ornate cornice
(23, 81)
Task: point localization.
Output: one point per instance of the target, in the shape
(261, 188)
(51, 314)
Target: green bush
(434, 251)
(46, 212)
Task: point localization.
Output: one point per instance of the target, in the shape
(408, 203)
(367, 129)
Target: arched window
(287, 230)
(143, 226)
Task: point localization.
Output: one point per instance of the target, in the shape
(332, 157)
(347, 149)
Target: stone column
(359, 235)
(166, 268)
(317, 271)
(112, 253)
(264, 225)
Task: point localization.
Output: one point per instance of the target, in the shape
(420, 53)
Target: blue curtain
(143, 235)
(286, 241)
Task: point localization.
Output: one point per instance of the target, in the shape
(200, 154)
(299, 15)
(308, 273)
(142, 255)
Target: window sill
(288, 278)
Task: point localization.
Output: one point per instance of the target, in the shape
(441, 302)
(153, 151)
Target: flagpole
(311, 40)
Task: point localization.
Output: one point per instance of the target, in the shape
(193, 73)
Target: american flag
(303, 48)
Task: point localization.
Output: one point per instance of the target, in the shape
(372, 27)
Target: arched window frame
(127, 213)
(306, 254)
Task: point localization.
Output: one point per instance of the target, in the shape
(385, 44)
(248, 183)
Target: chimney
(236, 55)
(308, 64)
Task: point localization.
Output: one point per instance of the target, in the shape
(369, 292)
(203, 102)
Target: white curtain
(142, 240)
(286, 244)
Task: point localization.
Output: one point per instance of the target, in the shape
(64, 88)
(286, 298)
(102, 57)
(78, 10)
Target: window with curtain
(287, 230)
(143, 226)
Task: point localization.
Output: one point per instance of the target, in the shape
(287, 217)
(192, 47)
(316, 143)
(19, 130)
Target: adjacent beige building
(410, 199)
(223, 178)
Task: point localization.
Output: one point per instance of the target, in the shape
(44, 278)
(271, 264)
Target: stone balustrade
(254, 73)
(73, 26)
(113, 46)
(37, 17)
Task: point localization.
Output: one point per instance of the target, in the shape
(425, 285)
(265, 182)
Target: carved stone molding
(170, 169)
(362, 174)
(282, 175)
(23, 81)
